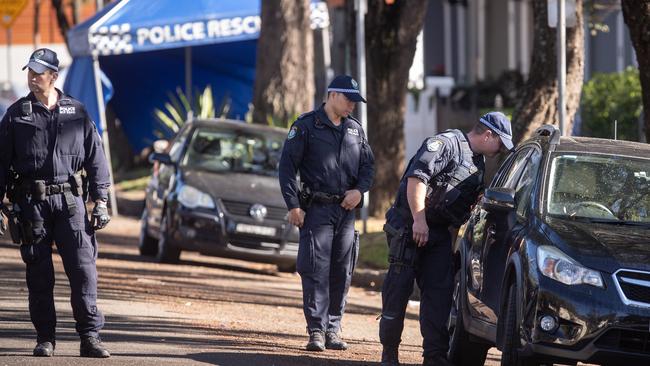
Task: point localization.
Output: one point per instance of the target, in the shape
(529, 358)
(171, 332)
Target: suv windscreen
(220, 150)
(602, 188)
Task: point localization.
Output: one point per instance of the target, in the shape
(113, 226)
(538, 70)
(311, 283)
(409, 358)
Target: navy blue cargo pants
(433, 273)
(327, 255)
(51, 220)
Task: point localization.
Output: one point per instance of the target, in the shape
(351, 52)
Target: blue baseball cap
(499, 124)
(43, 59)
(348, 86)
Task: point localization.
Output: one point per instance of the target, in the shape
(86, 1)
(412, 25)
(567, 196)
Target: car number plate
(255, 229)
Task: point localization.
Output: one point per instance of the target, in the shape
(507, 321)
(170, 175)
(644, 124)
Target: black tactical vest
(452, 193)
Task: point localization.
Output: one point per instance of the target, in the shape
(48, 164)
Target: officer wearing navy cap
(330, 151)
(440, 185)
(46, 139)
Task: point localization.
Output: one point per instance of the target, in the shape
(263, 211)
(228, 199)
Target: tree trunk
(539, 103)
(61, 19)
(637, 17)
(284, 80)
(391, 34)
(37, 22)
(76, 11)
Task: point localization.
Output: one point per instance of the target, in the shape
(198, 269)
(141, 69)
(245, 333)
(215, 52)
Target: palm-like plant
(179, 109)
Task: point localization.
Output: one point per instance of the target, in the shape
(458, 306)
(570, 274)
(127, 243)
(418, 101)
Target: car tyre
(462, 350)
(511, 341)
(167, 251)
(147, 245)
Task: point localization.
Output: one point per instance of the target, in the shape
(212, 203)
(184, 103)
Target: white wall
(420, 119)
(10, 69)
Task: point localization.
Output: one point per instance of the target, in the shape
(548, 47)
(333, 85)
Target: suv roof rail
(549, 131)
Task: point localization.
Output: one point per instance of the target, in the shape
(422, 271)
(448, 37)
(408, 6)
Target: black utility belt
(322, 197)
(39, 188)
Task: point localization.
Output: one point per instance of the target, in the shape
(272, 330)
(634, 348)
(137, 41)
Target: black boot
(389, 356)
(437, 360)
(316, 341)
(44, 349)
(333, 341)
(93, 347)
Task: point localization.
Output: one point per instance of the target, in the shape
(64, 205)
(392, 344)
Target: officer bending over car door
(440, 185)
(46, 139)
(336, 165)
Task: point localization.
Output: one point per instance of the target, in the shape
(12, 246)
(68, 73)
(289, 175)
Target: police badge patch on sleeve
(434, 145)
(292, 132)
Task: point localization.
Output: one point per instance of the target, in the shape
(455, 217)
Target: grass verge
(373, 252)
(132, 180)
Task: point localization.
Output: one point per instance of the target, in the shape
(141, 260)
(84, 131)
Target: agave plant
(179, 109)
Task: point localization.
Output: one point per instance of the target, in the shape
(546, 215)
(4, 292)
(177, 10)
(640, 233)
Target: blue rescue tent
(147, 49)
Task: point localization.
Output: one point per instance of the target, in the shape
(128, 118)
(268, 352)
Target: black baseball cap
(500, 124)
(348, 86)
(43, 59)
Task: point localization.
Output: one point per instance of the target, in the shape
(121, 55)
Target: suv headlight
(191, 197)
(553, 263)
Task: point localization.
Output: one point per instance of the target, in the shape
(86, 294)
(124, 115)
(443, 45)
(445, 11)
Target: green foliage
(374, 251)
(280, 122)
(132, 180)
(176, 111)
(610, 97)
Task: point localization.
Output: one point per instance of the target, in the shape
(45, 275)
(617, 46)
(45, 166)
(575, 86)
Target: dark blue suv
(553, 266)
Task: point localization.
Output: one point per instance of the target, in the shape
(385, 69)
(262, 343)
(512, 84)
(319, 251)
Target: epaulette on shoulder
(355, 120)
(16, 105)
(450, 134)
(305, 115)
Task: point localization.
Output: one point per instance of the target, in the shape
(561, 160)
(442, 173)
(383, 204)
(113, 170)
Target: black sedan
(215, 191)
(553, 266)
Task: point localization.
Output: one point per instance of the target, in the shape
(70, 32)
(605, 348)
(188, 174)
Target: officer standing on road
(441, 183)
(329, 149)
(46, 139)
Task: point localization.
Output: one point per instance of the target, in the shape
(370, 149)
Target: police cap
(43, 59)
(348, 86)
(500, 124)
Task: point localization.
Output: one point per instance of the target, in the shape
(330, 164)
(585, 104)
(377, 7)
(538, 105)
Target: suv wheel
(147, 245)
(167, 252)
(512, 341)
(462, 350)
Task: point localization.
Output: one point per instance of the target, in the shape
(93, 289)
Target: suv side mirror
(499, 199)
(161, 158)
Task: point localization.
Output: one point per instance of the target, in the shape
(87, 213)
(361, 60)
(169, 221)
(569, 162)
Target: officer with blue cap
(46, 139)
(329, 149)
(436, 193)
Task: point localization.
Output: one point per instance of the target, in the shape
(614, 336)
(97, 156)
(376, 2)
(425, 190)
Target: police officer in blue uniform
(330, 151)
(46, 139)
(441, 183)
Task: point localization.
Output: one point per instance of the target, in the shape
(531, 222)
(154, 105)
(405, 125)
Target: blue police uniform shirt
(52, 144)
(437, 155)
(329, 158)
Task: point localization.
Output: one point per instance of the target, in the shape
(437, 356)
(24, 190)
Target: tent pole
(102, 122)
(361, 8)
(188, 74)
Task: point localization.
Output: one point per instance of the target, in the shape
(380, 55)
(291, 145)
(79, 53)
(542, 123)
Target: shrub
(610, 97)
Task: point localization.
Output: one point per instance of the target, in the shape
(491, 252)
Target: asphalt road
(202, 311)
